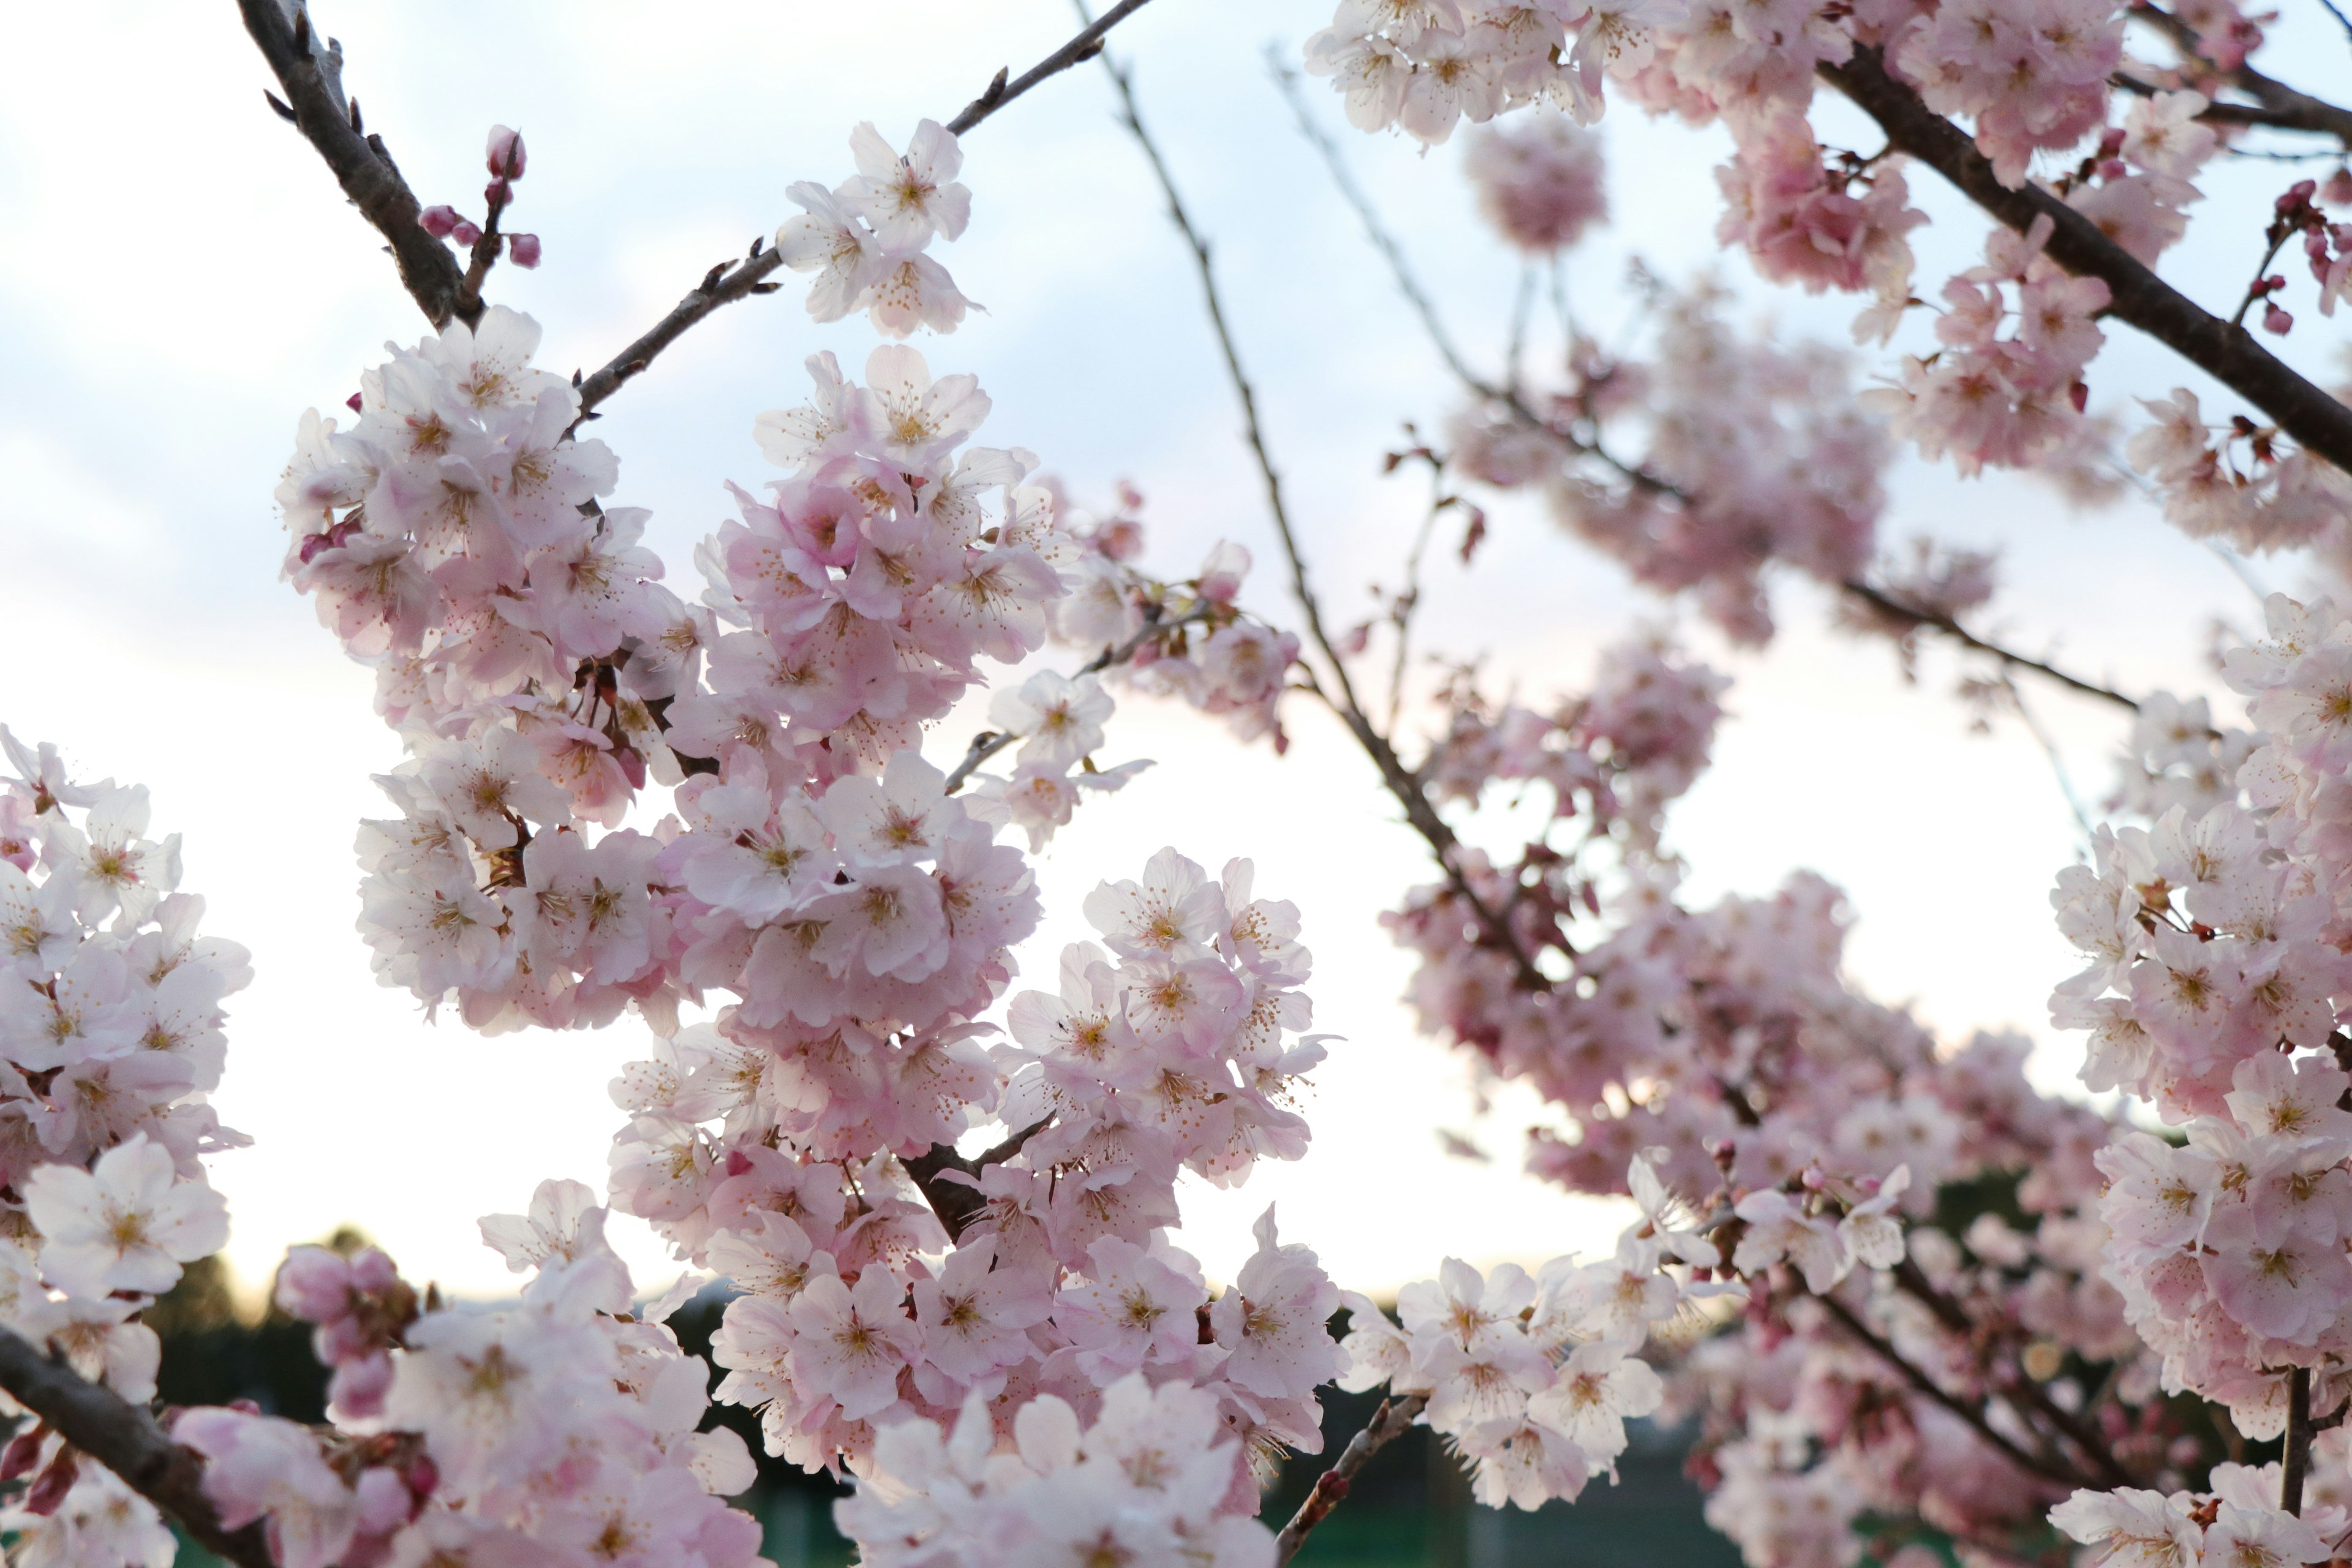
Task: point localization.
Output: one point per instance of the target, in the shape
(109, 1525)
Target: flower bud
(373, 1270)
(2277, 321)
(439, 222)
(505, 154)
(2337, 192)
(466, 233)
(314, 1285)
(523, 250)
(497, 193)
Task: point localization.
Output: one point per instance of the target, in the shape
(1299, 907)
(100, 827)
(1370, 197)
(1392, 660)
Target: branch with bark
(310, 76)
(2283, 108)
(315, 102)
(126, 1441)
(2227, 353)
(1507, 397)
(1391, 1421)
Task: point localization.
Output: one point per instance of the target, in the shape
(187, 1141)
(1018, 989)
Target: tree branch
(727, 283)
(359, 164)
(1389, 1422)
(1885, 603)
(2318, 422)
(1398, 779)
(2297, 1459)
(1508, 397)
(2290, 109)
(986, 744)
(958, 1203)
(2048, 1470)
(126, 1441)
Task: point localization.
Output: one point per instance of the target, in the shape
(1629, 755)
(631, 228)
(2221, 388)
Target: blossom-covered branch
(2135, 294)
(124, 1438)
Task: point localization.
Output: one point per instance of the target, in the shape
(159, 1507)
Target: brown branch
(1914, 1281)
(958, 1203)
(1398, 780)
(729, 282)
(126, 1441)
(2318, 421)
(359, 162)
(1885, 603)
(2297, 1459)
(1391, 1421)
(2048, 1468)
(2290, 108)
(2224, 114)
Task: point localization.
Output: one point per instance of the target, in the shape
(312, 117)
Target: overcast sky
(180, 279)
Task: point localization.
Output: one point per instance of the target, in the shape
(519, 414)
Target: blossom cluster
(111, 1041)
(1530, 1378)
(865, 1305)
(867, 238)
(1757, 454)
(561, 1428)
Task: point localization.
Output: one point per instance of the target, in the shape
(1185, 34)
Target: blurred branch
(1887, 604)
(126, 1441)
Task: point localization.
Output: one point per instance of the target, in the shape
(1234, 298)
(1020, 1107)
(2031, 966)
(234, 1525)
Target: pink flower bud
(2277, 321)
(505, 154)
(2112, 169)
(373, 1270)
(523, 248)
(2338, 192)
(497, 193)
(384, 1502)
(737, 1162)
(352, 403)
(466, 233)
(2303, 190)
(358, 1388)
(439, 222)
(314, 1285)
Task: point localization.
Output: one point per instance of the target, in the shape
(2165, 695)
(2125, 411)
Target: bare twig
(1341, 696)
(126, 1441)
(2137, 296)
(1391, 1421)
(360, 165)
(727, 282)
(1887, 604)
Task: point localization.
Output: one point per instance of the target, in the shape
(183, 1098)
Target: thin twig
(729, 282)
(2057, 763)
(1391, 1421)
(1880, 601)
(1341, 696)
(1510, 398)
(2048, 1468)
(987, 743)
(126, 1441)
(2137, 296)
